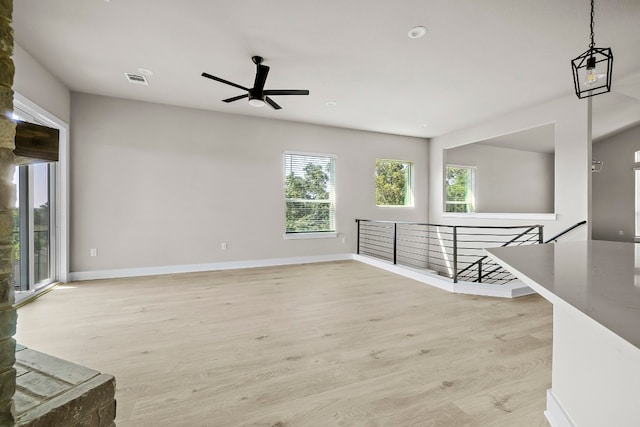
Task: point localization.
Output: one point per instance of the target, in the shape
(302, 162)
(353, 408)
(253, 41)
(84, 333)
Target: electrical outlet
(344, 240)
(620, 232)
(93, 252)
(223, 246)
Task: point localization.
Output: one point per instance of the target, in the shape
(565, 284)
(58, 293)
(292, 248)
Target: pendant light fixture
(592, 70)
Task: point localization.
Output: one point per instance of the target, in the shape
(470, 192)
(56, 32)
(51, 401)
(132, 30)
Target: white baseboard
(510, 290)
(555, 413)
(192, 268)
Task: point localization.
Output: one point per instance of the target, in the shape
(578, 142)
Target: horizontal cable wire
(431, 246)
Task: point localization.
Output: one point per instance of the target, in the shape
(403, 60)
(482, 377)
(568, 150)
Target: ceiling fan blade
(218, 79)
(235, 98)
(261, 77)
(286, 92)
(272, 103)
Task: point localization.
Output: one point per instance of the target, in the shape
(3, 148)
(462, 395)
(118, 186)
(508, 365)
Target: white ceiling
(479, 59)
(540, 139)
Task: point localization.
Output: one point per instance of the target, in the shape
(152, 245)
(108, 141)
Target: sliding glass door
(34, 235)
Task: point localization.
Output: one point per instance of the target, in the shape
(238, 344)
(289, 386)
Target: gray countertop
(601, 279)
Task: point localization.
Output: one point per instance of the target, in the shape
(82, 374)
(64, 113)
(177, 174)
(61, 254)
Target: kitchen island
(594, 287)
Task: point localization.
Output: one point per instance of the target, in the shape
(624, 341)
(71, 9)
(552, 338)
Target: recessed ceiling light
(145, 72)
(417, 32)
(330, 104)
(424, 125)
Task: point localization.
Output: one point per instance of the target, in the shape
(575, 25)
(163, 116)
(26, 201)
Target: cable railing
(453, 251)
(41, 260)
(487, 271)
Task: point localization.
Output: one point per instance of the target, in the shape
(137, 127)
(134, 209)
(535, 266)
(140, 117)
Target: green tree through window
(460, 182)
(309, 182)
(393, 183)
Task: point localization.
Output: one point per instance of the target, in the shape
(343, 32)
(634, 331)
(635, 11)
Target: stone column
(7, 203)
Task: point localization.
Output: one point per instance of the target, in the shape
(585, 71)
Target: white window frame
(471, 189)
(60, 191)
(25, 196)
(297, 235)
(409, 202)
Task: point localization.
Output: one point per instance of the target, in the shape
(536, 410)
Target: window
(460, 194)
(393, 183)
(33, 233)
(309, 189)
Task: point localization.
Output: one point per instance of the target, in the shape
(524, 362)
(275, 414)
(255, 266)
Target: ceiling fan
(257, 95)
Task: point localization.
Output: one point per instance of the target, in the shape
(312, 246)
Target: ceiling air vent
(137, 79)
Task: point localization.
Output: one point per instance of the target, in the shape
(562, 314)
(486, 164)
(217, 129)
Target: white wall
(508, 180)
(37, 84)
(595, 372)
(156, 185)
(41, 94)
(572, 163)
(614, 186)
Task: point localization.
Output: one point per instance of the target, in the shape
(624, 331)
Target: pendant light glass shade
(592, 72)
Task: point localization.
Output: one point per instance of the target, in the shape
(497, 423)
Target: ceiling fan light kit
(255, 102)
(592, 70)
(257, 95)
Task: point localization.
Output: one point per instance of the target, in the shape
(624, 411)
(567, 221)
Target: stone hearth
(53, 392)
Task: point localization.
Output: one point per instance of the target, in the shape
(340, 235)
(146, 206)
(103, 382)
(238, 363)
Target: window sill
(523, 216)
(319, 235)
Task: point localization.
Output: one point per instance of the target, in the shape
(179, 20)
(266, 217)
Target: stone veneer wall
(7, 203)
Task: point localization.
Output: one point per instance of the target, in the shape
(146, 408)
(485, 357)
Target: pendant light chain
(593, 43)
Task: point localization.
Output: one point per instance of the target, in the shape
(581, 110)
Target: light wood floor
(334, 344)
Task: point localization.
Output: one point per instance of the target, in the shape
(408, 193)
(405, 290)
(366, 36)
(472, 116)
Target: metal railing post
(540, 234)
(480, 271)
(358, 238)
(428, 253)
(455, 254)
(395, 243)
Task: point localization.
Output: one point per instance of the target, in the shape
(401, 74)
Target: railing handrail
(565, 231)
(504, 227)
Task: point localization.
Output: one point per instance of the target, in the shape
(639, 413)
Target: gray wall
(508, 180)
(572, 187)
(614, 186)
(156, 185)
(34, 82)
